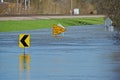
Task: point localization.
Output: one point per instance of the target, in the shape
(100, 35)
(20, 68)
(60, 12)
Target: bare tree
(110, 8)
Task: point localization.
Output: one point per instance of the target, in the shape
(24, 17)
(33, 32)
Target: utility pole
(17, 6)
(71, 7)
(25, 5)
(29, 4)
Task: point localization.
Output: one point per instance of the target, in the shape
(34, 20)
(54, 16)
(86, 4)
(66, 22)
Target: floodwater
(84, 53)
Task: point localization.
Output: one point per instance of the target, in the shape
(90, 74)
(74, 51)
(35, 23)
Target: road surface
(45, 17)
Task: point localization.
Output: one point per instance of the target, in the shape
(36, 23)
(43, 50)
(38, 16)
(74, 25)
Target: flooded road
(84, 53)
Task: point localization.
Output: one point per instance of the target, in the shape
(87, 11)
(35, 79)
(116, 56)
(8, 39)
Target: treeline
(111, 8)
(47, 6)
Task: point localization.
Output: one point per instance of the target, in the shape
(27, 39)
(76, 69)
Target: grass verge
(8, 26)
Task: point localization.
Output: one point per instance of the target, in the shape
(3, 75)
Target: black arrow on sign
(23, 41)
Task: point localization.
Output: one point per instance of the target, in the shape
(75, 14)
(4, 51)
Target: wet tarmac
(84, 53)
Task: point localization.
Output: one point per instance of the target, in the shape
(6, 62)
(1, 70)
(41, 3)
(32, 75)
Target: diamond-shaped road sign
(58, 29)
(24, 40)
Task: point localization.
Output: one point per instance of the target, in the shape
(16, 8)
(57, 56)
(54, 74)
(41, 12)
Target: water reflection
(117, 38)
(116, 62)
(24, 66)
(109, 28)
(116, 55)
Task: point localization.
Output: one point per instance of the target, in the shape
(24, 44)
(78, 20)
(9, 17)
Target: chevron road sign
(24, 40)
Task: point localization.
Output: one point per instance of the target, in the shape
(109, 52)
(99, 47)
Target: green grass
(8, 26)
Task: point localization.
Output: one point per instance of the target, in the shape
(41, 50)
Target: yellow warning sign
(24, 40)
(58, 29)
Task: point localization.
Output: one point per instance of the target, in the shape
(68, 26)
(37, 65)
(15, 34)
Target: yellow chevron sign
(24, 40)
(58, 29)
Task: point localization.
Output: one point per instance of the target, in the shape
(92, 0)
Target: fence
(34, 7)
(44, 7)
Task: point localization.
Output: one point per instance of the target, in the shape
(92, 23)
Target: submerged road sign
(58, 29)
(24, 40)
